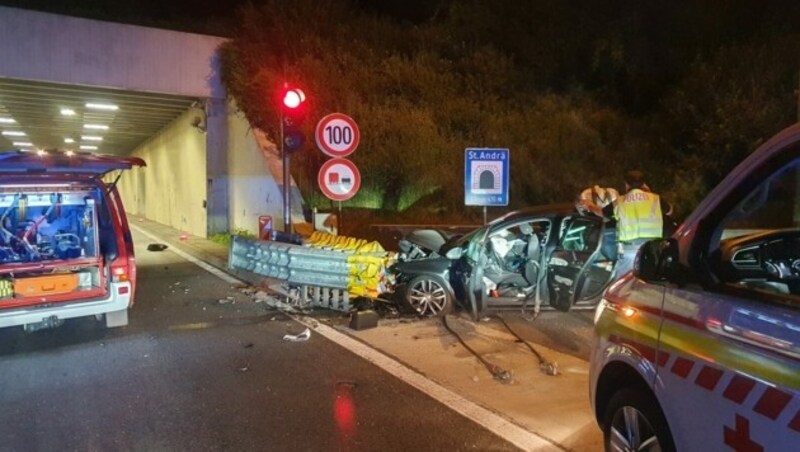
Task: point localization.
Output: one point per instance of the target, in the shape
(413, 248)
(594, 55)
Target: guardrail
(326, 273)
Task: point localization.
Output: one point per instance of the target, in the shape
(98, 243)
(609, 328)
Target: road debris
(499, 374)
(302, 337)
(247, 290)
(244, 368)
(547, 367)
(226, 300)
(156, 247)
(261, 296)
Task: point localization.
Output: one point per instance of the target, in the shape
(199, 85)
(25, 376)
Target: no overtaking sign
(339, 179)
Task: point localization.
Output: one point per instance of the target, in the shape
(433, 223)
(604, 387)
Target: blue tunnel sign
(486, 177)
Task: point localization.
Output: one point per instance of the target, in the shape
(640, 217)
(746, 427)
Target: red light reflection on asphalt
(344, 411)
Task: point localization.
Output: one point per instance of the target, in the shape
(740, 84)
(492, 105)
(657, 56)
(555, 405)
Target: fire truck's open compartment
(51, 244)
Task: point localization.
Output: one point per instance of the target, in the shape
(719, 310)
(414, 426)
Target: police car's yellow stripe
(715, 349)
(706, 346)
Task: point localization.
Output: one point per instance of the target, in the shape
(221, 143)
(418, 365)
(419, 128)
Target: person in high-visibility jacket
(594, 200)
(641, 216)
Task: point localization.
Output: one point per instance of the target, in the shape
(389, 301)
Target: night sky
(202, 16)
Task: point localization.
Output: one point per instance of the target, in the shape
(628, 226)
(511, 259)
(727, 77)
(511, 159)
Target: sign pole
(339, 221)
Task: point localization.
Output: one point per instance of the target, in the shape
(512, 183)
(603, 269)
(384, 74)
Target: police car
(699, 347)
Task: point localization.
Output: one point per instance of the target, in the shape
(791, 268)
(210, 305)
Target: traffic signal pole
(287, 185)
(293, 111)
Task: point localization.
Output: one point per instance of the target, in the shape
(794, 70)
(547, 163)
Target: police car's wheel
(634, 421)
(429, 296)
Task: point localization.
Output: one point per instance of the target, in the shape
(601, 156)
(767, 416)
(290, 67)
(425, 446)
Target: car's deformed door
(520, 264)
(578, 270)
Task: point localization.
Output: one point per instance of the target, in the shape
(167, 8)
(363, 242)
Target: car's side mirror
(657, 260)
(454, 253)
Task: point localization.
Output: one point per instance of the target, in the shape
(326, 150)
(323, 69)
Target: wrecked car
(551, 254)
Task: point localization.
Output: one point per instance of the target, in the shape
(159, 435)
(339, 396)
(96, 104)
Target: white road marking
(209, 268)
(500, 426)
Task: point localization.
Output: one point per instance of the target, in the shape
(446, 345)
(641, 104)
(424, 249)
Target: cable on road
(497, 372)
(548, 367)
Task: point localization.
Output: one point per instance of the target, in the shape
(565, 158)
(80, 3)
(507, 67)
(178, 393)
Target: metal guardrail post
(322, 276)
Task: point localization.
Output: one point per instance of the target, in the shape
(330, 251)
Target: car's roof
(53, 161)
(548, 210)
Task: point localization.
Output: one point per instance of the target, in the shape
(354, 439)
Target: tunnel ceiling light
(99, 106)
(7, 121)
(13, 133)
(67, 112)
(22, 143)
(68, 140)
(95, 126)
(87, 147)
(91, 138)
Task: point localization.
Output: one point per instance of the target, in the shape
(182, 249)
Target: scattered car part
(363, 320)
(156, 247)
(302, 337)
(497, 372)
(548, 367)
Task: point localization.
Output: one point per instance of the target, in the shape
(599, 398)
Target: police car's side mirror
(657, 260)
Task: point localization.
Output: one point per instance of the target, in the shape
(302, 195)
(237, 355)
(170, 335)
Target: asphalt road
(191, 373)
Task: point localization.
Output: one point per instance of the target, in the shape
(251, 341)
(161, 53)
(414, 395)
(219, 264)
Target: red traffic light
(293, 98)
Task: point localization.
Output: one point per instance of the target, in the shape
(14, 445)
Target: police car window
(759, 244)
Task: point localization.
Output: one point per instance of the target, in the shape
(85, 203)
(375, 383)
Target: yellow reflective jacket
(639, 216)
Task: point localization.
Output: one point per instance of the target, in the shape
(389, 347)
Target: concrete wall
(172, 188)
(217, 156)
(62, 49)
(205, 183)
(253, 190)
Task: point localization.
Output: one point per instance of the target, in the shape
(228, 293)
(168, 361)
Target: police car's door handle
(753, 337)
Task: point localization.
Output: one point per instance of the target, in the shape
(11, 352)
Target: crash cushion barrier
(366, 262)
(324, 260)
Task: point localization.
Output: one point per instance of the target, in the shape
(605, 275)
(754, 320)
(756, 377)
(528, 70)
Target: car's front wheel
(429, 296)
(634, 421)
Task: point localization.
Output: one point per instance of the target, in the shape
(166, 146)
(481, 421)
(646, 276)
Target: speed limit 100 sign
(337, 135)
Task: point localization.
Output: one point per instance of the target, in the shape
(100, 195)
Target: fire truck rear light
(119, 274)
